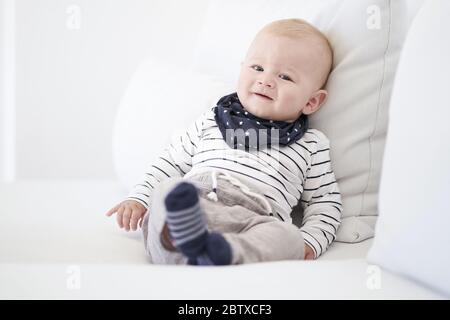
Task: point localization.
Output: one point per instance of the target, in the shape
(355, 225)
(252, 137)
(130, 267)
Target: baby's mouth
(262, 96)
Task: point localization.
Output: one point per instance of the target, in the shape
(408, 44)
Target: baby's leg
(156, 220)
(253, 234)
(213, 233)
(188, 228)
(257, 238)
(249, 236)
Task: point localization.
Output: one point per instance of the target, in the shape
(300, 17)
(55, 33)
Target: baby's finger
(112, 210)
(126, 219)
(119, 220)
(134, 220)
(141, 221)
(120, 216)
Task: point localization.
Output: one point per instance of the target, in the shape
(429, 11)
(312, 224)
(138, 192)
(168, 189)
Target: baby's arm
(321, 201)
(174, 161)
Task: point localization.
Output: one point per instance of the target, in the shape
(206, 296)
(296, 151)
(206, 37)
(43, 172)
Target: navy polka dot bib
(241, 129)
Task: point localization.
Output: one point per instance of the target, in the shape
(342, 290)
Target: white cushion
(46, 242)
(287, 280)
(30, 222)
(412, 236)
(366, 36)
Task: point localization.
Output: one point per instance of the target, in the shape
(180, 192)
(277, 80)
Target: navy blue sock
(187, 227)
(218, 251)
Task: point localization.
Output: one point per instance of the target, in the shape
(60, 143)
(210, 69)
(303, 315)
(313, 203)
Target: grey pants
(253, 235)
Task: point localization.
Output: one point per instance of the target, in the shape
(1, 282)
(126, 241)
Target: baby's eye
(257, 68)
(285, 77)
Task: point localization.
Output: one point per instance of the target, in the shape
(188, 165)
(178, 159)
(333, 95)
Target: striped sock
(187, 227)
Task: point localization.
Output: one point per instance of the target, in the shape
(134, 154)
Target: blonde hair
(300, 29)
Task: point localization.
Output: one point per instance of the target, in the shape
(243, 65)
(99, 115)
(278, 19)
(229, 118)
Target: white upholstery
(52, 231)
(64, 222)
(338, 279)
(366, 36)
(412, 236)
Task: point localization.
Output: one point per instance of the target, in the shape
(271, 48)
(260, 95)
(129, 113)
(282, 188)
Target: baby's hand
(309, 253)
(130, 213)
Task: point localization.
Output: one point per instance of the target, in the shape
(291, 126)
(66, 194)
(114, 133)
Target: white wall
(7, 82)
(71, 69)
(73, 60)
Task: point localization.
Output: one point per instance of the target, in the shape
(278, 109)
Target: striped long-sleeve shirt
(284, 175)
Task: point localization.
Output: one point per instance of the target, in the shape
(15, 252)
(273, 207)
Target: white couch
(70, 250)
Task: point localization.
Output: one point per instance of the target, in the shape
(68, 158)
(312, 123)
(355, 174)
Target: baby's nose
(266, 82)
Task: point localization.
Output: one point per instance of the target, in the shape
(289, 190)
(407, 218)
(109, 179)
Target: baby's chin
(261, 111)
(258, 111)
(254, 108)
(266, 114)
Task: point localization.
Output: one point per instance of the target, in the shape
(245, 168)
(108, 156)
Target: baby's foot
(187, 227)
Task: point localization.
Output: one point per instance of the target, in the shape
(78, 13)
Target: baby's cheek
(242, 84)
(296, 101)
(242, 93)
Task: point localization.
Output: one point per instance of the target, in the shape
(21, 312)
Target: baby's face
(279, 76)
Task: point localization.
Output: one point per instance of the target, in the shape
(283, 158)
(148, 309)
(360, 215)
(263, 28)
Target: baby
(223, 192)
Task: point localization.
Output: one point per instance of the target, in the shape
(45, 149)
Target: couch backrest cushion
(411, 235)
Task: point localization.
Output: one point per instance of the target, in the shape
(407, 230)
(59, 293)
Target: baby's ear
(315, 102)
